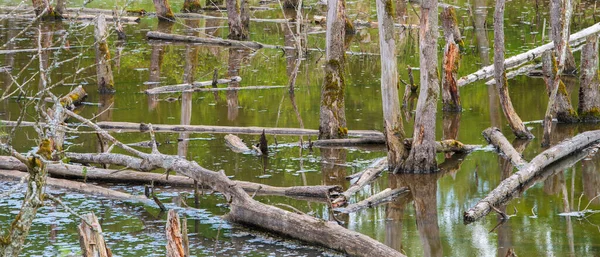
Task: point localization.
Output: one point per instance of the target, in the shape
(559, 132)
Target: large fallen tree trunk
(515, 182)
(517, 60)
(211, 41)
(313, 193)
(245, 210)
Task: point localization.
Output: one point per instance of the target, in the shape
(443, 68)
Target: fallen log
(517, 60)
(245, 210)
(514, 182)
(386, 195)
(69, 171)
(349, 141)
(182, 87)
(446, 146)
(366, 177)
(237, 145)
(212, 41)
(494, 136)
(201, 89)
(74, 17)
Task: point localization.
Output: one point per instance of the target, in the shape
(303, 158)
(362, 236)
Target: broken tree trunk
(333, 114)
(237, 30)
(557, 22)
(589, 89)
(245, 210)
(104, 74)
(174, 237)
(392, 117)
(561, 50)
(514, 121)
(450, 94)
(563, 108)
(163, 10)
(191, 6)
(91, 239)
(495, 137)
(421, 158)
(517, 60)
(508, 186)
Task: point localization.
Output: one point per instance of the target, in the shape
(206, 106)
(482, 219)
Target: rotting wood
(450, 62)
(210, 41)
(91, 239)
(73, 98)
(488, 71)
(73, 17)
(367, 176)
(247, 211)
(104, 73)
(204, 89)
(445, 146)
(314, 193)
(174, 238)
(187, 86)
(163, 10)
(589, 89)
(537, 164)
(385, 195)
(495, 137)
(514, 121)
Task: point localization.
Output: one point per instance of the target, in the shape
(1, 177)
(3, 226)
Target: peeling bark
(174, 238)
(450, 62)
(589, 90)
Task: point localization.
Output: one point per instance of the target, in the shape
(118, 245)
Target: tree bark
(589, 89)
(163, 10)
(450, 94)
(235, 14)
(421, 158)
(366, 177)
(495, 137)
(563, 107)
(91, 239)
(514, 121)
(333, 114)
(174, 238)
(556, 26)
(191, 6)
(392, 117)
(103, 70)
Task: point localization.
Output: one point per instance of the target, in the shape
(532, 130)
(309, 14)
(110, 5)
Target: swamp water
(437, 229)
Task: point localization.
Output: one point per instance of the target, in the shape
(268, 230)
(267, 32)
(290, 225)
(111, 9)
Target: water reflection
(479, 21)
(236, 56)
(156, 60)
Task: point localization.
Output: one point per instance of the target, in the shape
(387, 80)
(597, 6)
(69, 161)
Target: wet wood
(104, 73)
(515, 182)
(332, 121)
(210, 41)
(421, 158)
(563, 109)
(392, 117)
(557, 22)
(450, 62)
(366, 177)
(236, 19)
(385, 195)
(163, 10)
(236, 144)
(91, 239)
(192, 86)
(589, 90)
(191, 6)
(514, 121)
(73, 98)
(495, 137)
(446, 146)
(174, 237)
(517, 60)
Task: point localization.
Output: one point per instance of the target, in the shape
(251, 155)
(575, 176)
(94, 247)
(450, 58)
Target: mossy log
(91, 239)
(210, 41)
(515, 182)
(191, 6)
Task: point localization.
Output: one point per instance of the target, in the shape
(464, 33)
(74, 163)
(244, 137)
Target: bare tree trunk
(589, 89)
(236, 13)
(191, 6)
(421, 158)
(394, 130)
(556, 26)
(514, 121)
(174, 238)
(333, 114)
(91, 239)
(163, 10)
(450, 94)
(563, 107)
(103, 69)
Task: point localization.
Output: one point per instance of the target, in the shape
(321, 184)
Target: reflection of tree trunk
(156, 59)
(105, 113)
(191, 62)
(334, 171)
(591, 178)
(483, 44)
(394, 214)
(235, 62)
(567, 208)
(423, 189)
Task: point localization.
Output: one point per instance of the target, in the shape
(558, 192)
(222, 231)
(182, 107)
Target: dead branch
(366, 177)
(386, 195)
(495, 137)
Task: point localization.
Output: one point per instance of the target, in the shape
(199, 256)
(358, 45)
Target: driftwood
(495, 137)
(245, 210)
(182, 87)
(175, 246)
(517, 60)
(211, 41)
(514, 182)
(91, 239)
(366, 177)
(386, 195)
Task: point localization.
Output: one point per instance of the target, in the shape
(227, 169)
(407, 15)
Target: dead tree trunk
(174, 238)
(333, 114)
(103, 70)
(450, 94)
(291, 4)
(191, 6)
(589, 89)
(163, 10)
(421, 158)
(91, 239)
(563, 107)
(557, 22)
(514, 121)
(393, 128)
(44, 9)
(236, 13)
